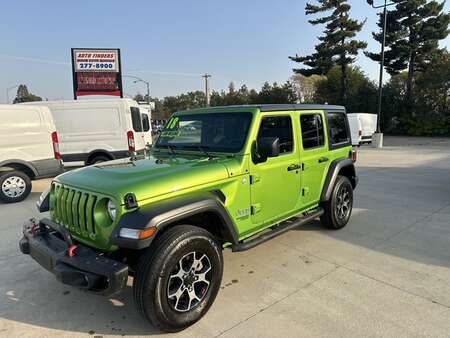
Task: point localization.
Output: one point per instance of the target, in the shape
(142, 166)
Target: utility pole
(206, 76)
(377, 139)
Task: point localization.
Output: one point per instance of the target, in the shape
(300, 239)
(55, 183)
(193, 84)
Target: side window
(278, 126)
(337, 128)
(145, 122)
(312, 131)
(136, 119)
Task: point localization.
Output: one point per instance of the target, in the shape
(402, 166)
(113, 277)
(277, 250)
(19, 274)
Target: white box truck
(362, 127)
(28, 149)
(98, 130)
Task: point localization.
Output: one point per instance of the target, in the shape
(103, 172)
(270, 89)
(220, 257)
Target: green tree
(337, 46)
(414, 28)
(23, 95)
(362, 93)
(432, 103)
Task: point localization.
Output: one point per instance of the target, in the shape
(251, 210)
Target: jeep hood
(146, 178)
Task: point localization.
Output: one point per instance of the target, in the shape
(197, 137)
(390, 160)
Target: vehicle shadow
(71, 310)
(398, 211)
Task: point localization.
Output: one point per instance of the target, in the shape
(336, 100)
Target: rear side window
(312, 131)
(136, 119)
(278, 126)
(145, 122)
(337, 129)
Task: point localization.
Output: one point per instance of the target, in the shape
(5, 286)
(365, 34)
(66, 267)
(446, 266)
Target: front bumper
(50, 244)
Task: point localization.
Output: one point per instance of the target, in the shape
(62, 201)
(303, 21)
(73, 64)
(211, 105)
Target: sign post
(96, 71)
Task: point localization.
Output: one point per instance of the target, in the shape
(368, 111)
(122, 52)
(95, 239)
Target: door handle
(323, 159)
(294, 167)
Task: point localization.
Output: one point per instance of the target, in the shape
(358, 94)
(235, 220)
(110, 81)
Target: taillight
(55, 143)
(352, 155)
(360, 132)
(131, 144)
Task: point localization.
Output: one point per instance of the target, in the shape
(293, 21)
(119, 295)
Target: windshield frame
(195, 147)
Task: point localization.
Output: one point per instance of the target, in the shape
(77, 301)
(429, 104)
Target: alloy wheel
(189, 281)
(343, 203)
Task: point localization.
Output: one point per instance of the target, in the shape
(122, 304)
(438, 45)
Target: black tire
(98, 159)
(15, 186)
(338, 209)
(156, 276)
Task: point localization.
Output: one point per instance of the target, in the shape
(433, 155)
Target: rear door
(313, 155)
(146, 124)
(137, 125)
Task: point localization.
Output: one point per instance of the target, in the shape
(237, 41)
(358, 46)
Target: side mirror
(268, 147)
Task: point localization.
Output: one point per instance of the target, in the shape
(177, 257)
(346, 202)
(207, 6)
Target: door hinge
(305, 191)
(254, 178)
(255, 208)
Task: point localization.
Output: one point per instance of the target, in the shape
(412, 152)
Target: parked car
(362, 127)
(28, 149)
(241, 176)
(95, 131)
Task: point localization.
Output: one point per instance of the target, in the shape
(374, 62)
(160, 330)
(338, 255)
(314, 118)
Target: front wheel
(178, 279)
(338, 209)
(15, 186)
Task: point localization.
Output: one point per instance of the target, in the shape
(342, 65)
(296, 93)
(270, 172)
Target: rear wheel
(177, 280)
(15, 186)
(98, 159)
(338, 209)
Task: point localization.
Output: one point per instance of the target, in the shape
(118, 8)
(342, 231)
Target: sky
(168, 43)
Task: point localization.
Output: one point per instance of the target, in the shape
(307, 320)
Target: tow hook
(71, 250)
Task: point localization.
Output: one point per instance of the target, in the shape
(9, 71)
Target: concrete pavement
(386, 274)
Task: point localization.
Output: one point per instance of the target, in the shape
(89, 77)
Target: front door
(314, 156)
(275, 183)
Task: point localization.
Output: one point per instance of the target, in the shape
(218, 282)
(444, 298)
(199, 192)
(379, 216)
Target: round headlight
(112, 209)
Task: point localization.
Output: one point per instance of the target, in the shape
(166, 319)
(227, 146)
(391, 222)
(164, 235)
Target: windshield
(220, 132)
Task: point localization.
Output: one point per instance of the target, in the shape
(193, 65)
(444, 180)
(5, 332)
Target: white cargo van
(94, 131)
(362, 127)
(28, 149)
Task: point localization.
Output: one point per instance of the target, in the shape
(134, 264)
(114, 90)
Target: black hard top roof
(274, 107)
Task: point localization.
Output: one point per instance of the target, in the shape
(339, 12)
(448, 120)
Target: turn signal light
(137, 234)
(149, 232)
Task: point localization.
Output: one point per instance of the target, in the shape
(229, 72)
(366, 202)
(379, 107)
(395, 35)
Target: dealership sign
(96, 72)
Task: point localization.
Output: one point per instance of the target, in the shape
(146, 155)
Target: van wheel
(178, 279)
(98, 159)
(338, 209)
(15, 186)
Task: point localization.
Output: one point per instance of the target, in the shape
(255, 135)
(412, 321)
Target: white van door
(355, 128)
(146, 124)
(137, 125)
(368, 126)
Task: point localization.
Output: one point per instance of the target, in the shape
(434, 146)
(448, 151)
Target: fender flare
(21, 162)
(333, 171)
(165, 213)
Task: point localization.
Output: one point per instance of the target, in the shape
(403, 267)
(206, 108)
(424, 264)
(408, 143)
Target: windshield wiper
(203, 149)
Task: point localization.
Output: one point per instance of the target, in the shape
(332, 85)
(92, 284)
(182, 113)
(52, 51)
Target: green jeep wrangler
(225, 177)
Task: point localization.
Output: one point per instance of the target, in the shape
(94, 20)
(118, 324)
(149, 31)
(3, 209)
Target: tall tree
(414, 28)
(23, 95)
(337, 45)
